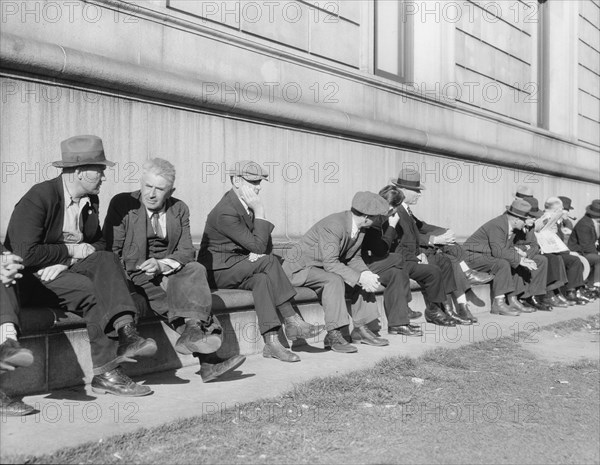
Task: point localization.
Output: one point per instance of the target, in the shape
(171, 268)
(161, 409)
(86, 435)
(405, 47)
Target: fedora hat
(566, 201)
(593, 209)
(408, 179)
(519, 208)
(524, 192)
(249, 170)
(82, 150)
(535, 211)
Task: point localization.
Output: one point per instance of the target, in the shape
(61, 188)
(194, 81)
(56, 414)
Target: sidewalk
(71, 417)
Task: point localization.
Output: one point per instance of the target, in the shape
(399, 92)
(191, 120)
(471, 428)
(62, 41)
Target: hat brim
(252, 177)
(535, 214)
(512, 213)
(399, 183)
(67, 164)
(590, 212)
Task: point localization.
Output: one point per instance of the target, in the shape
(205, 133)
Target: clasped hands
(153, 267)
(10, 268)
(369, 281)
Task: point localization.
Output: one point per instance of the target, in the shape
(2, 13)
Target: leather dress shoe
(195, 339)
(537, 303)
(12, 355)
(517, 305)
(592, 290)
(412, 315)
(560, 297)
(575, 298)
(131, 344)
(552, 300)
(405, 330)
(364, 335)
(581, 295)
(13, 408)
(118, 383)
(335, 341)
(274, 349)
(478, 277)
(435, 315)
(499, 307)
(450, 313)
(296, 328)
(210, 371)
(463, 311)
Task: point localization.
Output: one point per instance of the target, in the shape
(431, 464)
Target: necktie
(410, 212)
(156, 226)
(251, 213)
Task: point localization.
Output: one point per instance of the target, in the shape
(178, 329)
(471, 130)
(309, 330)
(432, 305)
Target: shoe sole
(369, 343)
(208, 345)
(107, 391)
(147, 350)
(343, 351)
(270, 355)
(437, 323)
(20, 359)
(216, 375)
(19, 413)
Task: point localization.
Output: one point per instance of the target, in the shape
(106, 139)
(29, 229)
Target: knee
(334, 281)
(196, 269)
(501, 267)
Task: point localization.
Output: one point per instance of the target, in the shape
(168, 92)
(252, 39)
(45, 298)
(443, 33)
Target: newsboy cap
(249, 170)
(519, 208)
(82, 150)
(524, 192)
(369, 203)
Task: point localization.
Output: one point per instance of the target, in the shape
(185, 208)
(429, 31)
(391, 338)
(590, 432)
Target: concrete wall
(158, 79)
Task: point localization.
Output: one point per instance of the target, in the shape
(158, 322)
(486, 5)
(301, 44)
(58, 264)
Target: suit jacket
(125, 230)
(35, 229)
(527, 241)
(329, 245)
(492, 240)
(378, 241)
(584, 239)
(231, 234)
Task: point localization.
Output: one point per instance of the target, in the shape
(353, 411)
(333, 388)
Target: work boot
(118, 383)
(274, 349)
(335, 341)
(515, 304)
(296, 328)
(499, 307)
(449, 311)
(131, 344)
(463, 311)
(366, 336)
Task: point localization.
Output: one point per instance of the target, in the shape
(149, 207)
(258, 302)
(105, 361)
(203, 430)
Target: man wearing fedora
(55, 229)
(236, 250)
(328, 260)
(12, 355)
(491, 249)
(149, 230)
(436, 246)
(573, 284)
(584, 240)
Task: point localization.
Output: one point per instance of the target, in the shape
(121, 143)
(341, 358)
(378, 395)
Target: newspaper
(550, 242)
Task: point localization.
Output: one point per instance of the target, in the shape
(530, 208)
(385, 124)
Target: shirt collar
(69, 200)
(161, 213)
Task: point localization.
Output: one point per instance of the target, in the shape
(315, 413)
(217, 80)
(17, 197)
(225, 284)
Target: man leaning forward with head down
(149, 230)
(237, 250)
(329, 261)
(55, 229)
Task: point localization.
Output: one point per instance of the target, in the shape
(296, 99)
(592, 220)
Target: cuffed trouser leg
(503, 282)
(396, 295)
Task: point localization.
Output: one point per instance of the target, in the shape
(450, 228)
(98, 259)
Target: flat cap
(369, 203)
(553, 203)
(249, 170)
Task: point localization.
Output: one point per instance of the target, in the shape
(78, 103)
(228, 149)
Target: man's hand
(447, 238)
(10, 265)
(253, 201)
(422, 259)
(80, 251)
(153, 267)
(255, 256)
(369, 281)
(50, 273)
(393, 220)
(528, 263)
(521, 252)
